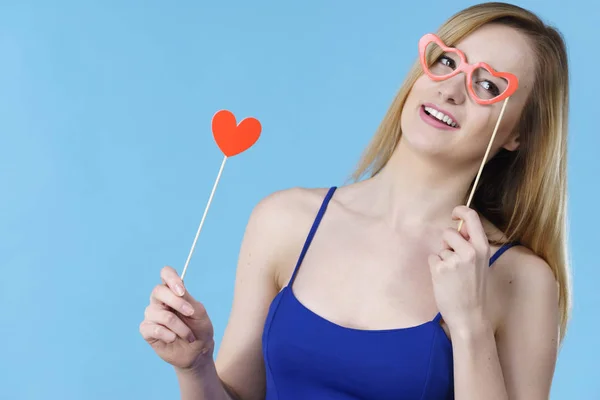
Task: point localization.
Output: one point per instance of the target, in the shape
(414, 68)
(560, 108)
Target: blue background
(107, 161)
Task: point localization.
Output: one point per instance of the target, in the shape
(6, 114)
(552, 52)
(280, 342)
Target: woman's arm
(528, 340)
(268, 243)
(477, 369)
(518, 362)
(203, 384)
(238, 372)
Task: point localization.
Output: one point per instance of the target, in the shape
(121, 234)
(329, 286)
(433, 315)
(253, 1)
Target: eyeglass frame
(464, 66)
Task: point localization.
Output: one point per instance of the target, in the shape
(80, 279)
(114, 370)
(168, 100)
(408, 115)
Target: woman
(370, 291)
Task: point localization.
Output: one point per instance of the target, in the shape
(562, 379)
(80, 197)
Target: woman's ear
(512, 142)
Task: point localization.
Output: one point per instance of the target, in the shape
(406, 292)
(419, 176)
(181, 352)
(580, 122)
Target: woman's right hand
(177, 326)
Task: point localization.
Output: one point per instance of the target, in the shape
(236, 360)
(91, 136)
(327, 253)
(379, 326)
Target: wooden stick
(204, 217)
(487, 152)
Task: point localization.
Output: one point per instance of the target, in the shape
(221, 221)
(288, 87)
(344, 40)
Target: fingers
(159, 316)
(164, 295)
(170, 277)
(456, 242)
(446, 254)
(445, 258)
(152, 332)
(170, 304)
(472, 227)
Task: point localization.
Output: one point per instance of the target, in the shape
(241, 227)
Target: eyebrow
(471, 62)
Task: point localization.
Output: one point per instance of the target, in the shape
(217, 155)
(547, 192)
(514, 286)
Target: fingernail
(179, 289)
(187, 309)
(191, 338)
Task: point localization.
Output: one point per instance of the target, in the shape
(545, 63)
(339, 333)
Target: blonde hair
(524, 192)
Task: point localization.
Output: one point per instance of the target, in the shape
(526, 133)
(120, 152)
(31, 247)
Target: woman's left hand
(459, 272)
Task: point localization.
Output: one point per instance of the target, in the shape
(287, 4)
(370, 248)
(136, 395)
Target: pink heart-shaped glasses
(495, 92)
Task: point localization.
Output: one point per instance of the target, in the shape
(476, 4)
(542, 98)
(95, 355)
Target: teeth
(440, 116)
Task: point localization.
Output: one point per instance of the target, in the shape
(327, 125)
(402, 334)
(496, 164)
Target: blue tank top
(310, 358)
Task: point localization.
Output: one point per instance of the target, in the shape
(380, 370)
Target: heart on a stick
(231, 137)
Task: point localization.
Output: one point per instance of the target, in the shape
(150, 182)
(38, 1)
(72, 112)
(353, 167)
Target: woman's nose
(453, 90)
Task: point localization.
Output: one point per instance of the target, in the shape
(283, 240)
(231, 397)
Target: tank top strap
(501, 251)
(312, 232)
(494, 257)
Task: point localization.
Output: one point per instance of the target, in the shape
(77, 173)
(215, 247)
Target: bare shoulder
(528, 283)
(526, 271)
(289, 202)
(281, 211)
(283, 219)
(272, 241)
(527, 338)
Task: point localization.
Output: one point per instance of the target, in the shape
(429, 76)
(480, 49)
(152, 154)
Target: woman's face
(504, 49)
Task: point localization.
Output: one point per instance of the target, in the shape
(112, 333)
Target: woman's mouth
(437, 118)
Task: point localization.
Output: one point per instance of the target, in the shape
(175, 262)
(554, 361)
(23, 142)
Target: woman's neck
(413, 190)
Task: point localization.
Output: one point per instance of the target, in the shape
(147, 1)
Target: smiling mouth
(440, 116)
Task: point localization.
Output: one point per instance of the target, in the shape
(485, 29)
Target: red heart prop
(232, 138)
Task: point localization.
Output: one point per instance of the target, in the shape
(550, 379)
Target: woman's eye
(490, 87)
(447, 61)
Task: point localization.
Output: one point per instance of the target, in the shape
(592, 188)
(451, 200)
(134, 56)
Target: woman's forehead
(504, 48)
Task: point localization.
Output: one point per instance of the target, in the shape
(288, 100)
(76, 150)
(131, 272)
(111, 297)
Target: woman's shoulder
(289, 205)
(519, 261)
(524, 269)
(521, 275)
(528, 287)
(280, 222)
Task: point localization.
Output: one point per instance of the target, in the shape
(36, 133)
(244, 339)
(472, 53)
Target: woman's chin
(425, 143)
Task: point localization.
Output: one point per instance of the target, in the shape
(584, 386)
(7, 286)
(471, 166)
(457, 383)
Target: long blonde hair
(524, 192)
